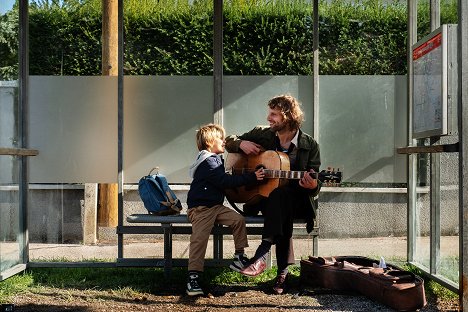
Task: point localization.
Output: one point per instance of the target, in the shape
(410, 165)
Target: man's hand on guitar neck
(250, 148)
(308, 181)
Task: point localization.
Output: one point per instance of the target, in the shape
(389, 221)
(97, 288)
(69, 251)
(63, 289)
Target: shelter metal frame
(434, 151)
(461, 147)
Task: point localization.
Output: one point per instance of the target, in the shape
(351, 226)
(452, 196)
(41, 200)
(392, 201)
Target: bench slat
(147, 218)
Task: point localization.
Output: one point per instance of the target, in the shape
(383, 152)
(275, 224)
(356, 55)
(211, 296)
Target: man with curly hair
(294, 200)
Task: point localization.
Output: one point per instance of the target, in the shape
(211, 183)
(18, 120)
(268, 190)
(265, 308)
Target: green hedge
(167, 37)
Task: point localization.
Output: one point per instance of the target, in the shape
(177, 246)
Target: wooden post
(109, 38)
(108, 193)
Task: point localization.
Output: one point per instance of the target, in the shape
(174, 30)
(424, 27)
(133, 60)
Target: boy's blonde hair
(207, 134)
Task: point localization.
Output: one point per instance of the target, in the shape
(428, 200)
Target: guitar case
(398, 289)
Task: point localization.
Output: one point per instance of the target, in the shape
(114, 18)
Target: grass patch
(127, 281)
(432, 288)
(136, 282)
(15, 285)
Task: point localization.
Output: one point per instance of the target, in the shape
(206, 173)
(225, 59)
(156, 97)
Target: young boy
(205, 203)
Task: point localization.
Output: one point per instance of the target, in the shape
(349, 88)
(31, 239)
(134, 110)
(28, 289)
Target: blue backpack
(158, 198)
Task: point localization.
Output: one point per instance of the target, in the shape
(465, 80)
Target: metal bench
(179, 224)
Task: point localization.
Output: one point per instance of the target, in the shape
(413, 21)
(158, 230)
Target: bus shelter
(430, 149)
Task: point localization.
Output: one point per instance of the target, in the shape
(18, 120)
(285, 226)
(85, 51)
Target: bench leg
(315, 246)
(218, 245)
(269, 260)
(167, 249)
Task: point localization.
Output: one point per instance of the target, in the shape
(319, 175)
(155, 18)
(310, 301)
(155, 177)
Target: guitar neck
(324, 175)
(286, 174)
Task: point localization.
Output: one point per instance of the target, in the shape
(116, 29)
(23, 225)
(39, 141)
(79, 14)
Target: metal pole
(218, 61)
(316, 106)
(435, 174)
(23, 107)
(412, 158)
(463, 161)
(315, 134)
(435, 14)
(120, 123)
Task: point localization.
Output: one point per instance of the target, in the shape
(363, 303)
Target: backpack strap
(175, 203)
(172, 203)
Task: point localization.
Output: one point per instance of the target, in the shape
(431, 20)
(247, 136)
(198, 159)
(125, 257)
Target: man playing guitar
(287, 202)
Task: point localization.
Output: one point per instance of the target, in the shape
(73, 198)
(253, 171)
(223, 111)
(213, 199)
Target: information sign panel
(434, 83)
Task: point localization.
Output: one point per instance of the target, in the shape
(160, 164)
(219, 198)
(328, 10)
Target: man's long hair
(290, 108)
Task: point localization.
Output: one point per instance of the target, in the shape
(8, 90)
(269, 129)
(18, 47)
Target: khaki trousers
(203, 219)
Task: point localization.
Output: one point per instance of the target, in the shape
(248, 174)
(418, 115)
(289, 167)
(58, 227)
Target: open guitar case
(392, 286)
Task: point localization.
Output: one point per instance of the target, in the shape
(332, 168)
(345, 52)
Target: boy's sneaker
(239, 262)
(193, 286)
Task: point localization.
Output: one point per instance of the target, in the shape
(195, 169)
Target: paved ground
(388, 247)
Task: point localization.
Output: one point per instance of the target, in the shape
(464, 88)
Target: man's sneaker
(193, 287)
(239, 262)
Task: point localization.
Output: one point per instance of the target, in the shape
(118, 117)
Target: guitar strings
(275, 173)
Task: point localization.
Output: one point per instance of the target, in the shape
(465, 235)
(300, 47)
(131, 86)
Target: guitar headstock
(330, 176)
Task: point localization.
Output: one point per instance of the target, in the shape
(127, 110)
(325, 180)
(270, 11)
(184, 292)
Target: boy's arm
(218, 176)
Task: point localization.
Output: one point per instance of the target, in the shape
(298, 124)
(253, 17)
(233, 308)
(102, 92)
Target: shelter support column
(108, 193)
(463, 130)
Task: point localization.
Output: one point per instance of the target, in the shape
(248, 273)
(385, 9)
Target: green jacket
(308, 154)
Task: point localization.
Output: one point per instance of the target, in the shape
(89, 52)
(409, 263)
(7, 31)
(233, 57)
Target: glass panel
(360, 129)
(10, 253)
(362, 120)
(162, 115)
(449, 213)
(245, 99)
(422, 250)
(267, 55)
(55, 213)
(450, 206)
(8, 116)
(164, 108)
(10, 240)
(8, 83)
(448, 262)
(9, 19)
(449, 240)
(73, 124)
(377, 216)
(63, 225)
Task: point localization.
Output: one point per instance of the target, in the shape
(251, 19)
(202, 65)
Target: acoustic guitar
(277, 172)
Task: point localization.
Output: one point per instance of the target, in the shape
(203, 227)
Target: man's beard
(278, 127)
